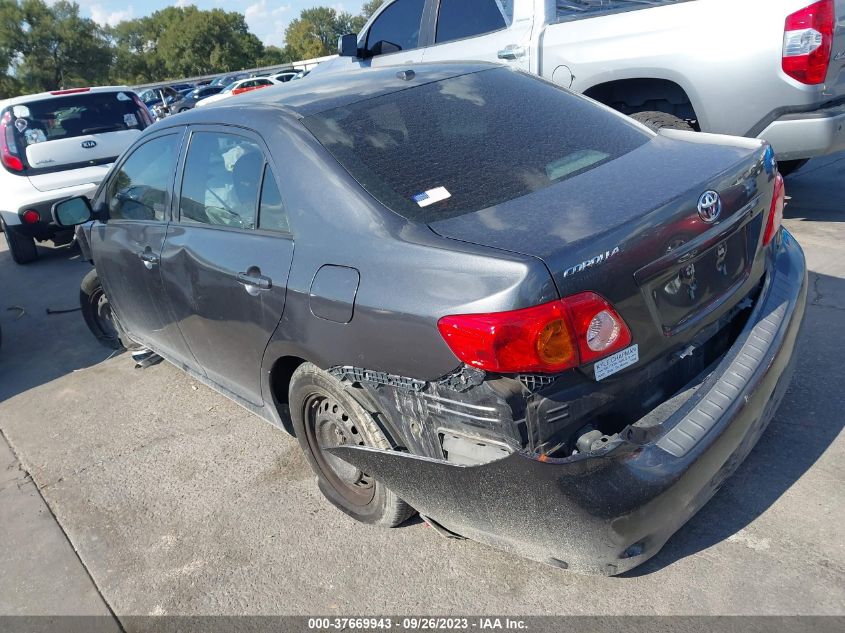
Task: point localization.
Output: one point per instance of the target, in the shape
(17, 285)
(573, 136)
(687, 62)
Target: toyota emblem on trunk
(709, 206)
(90, 144)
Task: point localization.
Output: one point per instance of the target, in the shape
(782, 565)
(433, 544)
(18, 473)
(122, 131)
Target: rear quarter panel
(409, 277)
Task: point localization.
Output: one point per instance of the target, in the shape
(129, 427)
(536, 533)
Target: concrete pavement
(179, 502)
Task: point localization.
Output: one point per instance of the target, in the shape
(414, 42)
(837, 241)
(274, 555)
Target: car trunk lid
(73, 161)
(630, 230)
(67, 139)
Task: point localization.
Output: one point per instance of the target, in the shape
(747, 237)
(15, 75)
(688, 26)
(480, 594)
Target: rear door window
(272, 215)
(470, 142)
(221, 182)
(397, 26)
(458, 19)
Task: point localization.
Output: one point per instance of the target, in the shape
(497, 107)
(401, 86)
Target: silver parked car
(771, 69)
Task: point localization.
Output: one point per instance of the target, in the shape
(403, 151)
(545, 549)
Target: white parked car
(286, 76)
(238, 87)
(55, 145)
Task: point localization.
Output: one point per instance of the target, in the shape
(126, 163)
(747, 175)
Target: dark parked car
(531, 319)
(153, 96)
(192, 98)
(225, 80)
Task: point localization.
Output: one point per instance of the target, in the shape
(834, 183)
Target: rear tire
(21, 247)
(97, 312)
(786, 167)
(323, 414)
(656, 120)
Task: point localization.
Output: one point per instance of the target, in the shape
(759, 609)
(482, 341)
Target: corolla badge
(709, 206)
(89, 144)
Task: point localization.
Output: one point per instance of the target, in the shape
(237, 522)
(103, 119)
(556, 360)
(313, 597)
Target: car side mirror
(347, 45)
(73, 211)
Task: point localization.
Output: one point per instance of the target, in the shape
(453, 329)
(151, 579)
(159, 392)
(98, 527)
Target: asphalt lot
(169, 499)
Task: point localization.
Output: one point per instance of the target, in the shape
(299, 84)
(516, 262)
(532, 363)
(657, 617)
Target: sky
(266, 18)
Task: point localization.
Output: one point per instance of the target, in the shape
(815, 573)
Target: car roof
(332, 90)
(43, 96)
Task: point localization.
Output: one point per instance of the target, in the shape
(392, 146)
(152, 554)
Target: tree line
(51, 46)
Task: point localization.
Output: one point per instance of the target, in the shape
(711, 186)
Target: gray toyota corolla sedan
(468, 292)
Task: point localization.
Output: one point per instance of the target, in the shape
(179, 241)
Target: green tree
(369, 8)
(11, 35)
(348, 23)
(182, 42)
(51, 46)
(316, 31)
(204, 42)
(302, 41)
(274, 56)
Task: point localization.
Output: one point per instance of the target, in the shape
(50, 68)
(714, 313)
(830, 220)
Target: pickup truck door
(484, 30)
(394, 36)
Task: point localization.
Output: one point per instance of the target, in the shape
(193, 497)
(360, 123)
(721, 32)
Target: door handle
(511, 52)
(150, 259)
(254, 282)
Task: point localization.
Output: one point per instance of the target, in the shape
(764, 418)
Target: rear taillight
(776, 210)
(8, 148)
(807, 42)
(548, 338)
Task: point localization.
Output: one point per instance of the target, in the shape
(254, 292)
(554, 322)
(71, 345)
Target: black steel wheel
(323, 416)
(97, 312)
(327, 424)
(786, 167)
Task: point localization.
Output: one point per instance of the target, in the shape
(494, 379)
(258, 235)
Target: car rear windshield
(455, 146)
(74, 115)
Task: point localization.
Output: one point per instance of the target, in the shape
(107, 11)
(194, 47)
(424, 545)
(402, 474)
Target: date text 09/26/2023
(416, 624)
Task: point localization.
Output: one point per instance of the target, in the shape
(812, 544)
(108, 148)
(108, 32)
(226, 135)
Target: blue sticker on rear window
(431, 196)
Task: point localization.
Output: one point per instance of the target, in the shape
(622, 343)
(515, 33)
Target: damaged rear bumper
(607, 511)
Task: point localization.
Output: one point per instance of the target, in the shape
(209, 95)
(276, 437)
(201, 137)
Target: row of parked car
(173, 98)
(62, 143)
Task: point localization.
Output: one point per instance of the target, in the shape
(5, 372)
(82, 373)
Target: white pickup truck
(772, 69)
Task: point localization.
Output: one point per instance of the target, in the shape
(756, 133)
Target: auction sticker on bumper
(617, 362)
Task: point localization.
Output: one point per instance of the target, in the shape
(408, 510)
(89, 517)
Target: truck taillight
(548, 338)
(776, 211)
(8, 148)
(807, 42)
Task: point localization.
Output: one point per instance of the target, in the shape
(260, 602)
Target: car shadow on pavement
(808, 420)
(38, 347)
(816, 191)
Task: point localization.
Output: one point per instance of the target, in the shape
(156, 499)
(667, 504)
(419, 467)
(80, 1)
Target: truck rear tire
(786, 167)
(21, 247)
(656, 120)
